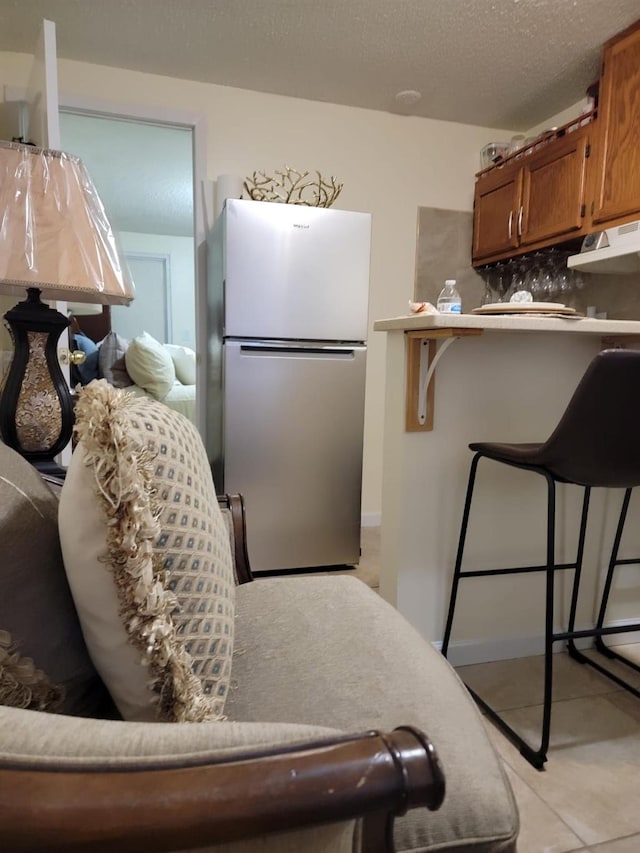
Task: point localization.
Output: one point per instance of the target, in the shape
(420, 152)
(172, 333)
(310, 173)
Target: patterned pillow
(111, 361)
(44, 663)
(148, 557)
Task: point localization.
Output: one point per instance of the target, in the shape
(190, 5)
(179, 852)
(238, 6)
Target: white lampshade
(54, 233)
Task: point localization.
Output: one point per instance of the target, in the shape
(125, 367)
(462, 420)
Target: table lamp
(55, 241)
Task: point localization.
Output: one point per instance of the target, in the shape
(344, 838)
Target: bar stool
(596, 444)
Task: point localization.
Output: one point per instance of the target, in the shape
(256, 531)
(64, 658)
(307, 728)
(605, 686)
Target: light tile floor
(588, 797)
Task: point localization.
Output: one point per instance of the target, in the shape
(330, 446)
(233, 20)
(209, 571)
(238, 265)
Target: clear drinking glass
(565, 282)
(516, 143)
(488, 277)
(520, 272)
(534, 277)
(549, 284)
(501, 281)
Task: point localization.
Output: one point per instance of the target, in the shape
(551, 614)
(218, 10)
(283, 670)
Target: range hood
(616, 250)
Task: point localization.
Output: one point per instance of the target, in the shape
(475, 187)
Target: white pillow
(150, 365)
(148, 558)
(184, 361)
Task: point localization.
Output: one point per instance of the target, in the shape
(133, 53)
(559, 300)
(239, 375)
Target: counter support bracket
(423, 355)
(428, 365)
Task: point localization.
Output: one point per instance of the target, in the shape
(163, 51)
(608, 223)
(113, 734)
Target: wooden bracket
(423, 355)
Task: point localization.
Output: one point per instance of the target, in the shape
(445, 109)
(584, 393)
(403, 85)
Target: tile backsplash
(617, 295)
(443, 250)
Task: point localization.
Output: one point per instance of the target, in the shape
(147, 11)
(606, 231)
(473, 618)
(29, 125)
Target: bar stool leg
(599, 643)
(598, 640)
(458, 563)
(571, 647)
(538, 758)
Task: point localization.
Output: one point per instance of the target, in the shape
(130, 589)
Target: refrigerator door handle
(297, 350)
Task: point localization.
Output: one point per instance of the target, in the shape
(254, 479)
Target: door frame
(202, 196)
(202, 199)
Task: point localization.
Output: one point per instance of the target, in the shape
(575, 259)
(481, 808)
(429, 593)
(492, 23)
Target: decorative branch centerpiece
(293, 187)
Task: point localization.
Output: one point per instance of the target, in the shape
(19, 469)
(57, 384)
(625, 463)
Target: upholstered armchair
(342, 730)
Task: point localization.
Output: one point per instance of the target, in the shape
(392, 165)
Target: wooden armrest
(247, 796)
(235, 504)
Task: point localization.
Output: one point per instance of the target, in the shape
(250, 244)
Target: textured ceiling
(497, 63)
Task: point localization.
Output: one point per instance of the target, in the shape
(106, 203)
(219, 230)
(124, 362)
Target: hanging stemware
(549, 285)
(534, 277)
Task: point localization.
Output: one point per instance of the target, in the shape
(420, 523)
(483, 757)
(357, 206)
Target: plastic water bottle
(449, 301)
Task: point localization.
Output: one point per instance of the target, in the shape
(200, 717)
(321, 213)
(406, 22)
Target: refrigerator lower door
(293, 423)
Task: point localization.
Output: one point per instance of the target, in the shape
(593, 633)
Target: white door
(41, 126)
(150, 311)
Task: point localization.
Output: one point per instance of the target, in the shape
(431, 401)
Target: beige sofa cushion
(44, 662)
(148, 558)
(378, 675)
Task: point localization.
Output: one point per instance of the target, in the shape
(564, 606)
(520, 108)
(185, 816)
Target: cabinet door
(553, 189)
(617, 180)
(497, 200)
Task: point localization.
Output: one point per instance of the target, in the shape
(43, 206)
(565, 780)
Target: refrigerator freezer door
(295, 272)
(293, 448)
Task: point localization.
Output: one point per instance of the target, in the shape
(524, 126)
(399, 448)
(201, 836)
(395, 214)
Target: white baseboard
(370, 519)
(481, 651)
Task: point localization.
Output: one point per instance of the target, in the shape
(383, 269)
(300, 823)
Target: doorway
(143, 173)
(148, 165)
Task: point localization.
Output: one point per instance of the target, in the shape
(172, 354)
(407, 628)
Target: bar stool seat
(596, 444)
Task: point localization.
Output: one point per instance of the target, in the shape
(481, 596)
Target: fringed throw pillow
(22, 685)
(148, 558)
(44, 663)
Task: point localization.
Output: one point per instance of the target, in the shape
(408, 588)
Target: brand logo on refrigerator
(299, 225)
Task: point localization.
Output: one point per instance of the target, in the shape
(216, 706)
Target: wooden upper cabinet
(553, 189)
(617, 152)
(582, 179)
(497, 198)
(532, 201)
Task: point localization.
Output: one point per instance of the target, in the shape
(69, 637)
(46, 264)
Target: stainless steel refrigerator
(287, 308)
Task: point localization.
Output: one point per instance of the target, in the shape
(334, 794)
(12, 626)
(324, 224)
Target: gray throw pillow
(111, 361)
(44, 663)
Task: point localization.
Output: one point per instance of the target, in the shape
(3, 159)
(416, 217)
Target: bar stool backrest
(597, 441)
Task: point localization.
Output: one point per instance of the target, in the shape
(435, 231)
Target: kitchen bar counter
(508, 323)
(506, 379)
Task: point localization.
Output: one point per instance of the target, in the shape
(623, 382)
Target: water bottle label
(450, 308)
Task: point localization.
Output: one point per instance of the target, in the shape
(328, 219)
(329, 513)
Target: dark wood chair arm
(235, 504)
(374, 775)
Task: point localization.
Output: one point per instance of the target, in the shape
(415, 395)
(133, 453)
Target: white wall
(389, 164)
(557, 120)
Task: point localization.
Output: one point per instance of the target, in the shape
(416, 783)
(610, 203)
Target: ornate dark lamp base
(36, 412)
